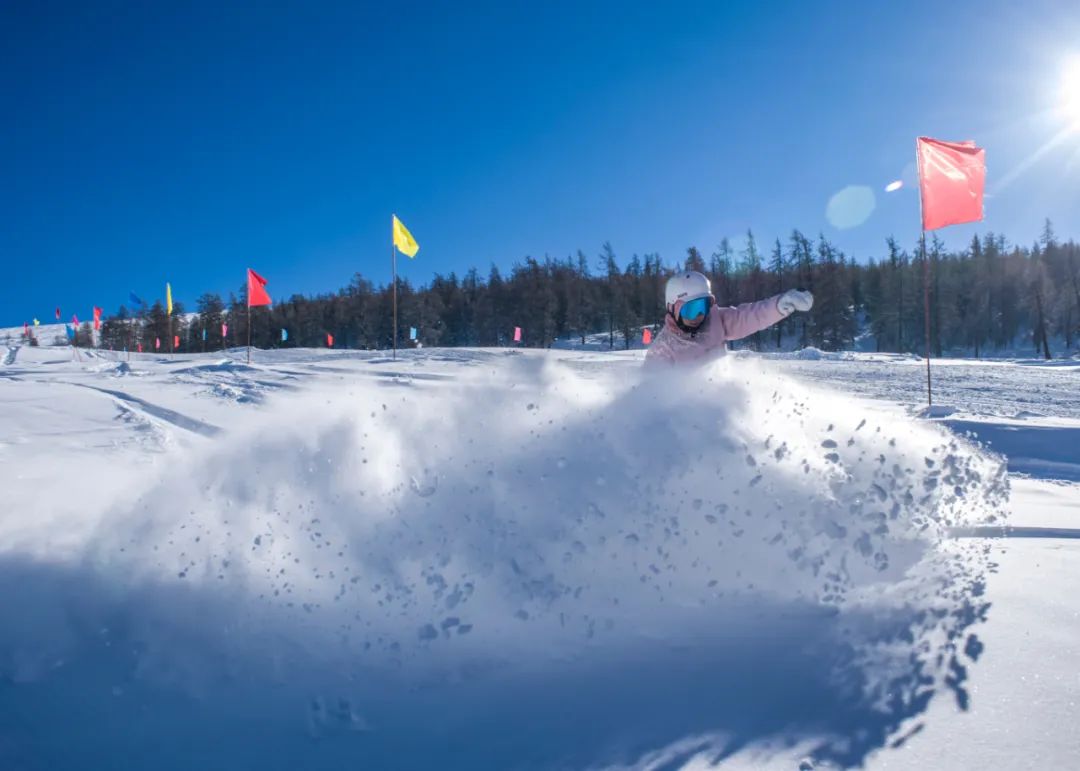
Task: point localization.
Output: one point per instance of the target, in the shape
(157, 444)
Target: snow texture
(478, 559)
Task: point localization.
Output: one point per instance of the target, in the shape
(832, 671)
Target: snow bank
(533, 565)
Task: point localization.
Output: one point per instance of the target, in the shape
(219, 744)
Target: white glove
(794, 300)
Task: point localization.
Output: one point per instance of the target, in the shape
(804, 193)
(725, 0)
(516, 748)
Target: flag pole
(249, 323)
(926, 275)
(393, 263)
(926, 317)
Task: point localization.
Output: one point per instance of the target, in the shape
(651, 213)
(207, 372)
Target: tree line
(989, 296)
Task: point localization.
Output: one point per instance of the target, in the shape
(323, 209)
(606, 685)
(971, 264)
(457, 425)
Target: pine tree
(723, 270)
(211, 310)
(613, 291)
(833, 321)
(750, 272)
(936, 248)
(802, 267)
(897, 264)
(694, 260)
(1039, 289)
(776, 265)
(651, 292)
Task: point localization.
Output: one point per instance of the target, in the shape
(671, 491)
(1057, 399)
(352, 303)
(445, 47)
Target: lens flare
(1070, 91)
(892, 187)
(850, 207)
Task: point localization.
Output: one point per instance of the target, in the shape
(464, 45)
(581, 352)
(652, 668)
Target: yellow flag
(403, 239)
(37, 323)
(168, 298)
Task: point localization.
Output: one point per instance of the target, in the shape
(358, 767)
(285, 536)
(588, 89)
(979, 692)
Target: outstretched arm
(746, 319)
(743, 320)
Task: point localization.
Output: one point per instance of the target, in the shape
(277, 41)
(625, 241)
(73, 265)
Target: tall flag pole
(952, 177)
(256, 296)
(403, 240)
(393, 268)
(168, 312)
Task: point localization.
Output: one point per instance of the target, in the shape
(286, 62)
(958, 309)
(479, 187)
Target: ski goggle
(692, 310)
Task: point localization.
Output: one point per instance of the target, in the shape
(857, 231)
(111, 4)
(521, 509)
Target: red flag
(26, 329)
(97, 317)
(256, 294)
(646, 336)
(329, 340)
(140, 347)
(57, 314)
(176, 341)
(952, 176)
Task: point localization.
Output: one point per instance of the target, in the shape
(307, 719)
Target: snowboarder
(696, 328)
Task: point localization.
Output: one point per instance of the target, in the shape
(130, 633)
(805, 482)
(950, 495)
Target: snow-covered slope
(490, 559)
(46, 334)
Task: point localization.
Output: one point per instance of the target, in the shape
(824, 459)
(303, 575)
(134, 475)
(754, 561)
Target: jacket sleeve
(742, 320)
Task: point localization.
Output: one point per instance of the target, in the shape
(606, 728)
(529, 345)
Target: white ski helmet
(685, 286)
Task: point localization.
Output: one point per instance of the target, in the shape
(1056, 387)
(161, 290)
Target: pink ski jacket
(673, 346)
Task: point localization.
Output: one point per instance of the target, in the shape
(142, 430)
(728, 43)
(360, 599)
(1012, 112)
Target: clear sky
(140, 144)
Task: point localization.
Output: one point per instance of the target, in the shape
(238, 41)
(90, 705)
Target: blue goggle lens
(694, 308)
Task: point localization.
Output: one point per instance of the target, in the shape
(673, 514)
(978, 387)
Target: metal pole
(393, 260)
(249, 331)
(926, 276)
(926, 309)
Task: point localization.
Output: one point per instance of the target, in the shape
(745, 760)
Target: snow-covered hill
(525, 559)
(46, 334)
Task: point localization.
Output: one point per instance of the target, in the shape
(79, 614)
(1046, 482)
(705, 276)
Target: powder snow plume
(532, 565)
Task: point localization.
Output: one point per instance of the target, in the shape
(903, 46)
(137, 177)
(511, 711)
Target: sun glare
(1070, 90)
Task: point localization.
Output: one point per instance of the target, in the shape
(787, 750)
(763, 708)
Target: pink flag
(140, 347)
(517, 334)
(952, 176)
(157, 343)
(224, 331)
(176, 341)
(256, 294)
(75, 319)
(646, 336)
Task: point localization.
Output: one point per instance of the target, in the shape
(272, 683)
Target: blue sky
(141, 145)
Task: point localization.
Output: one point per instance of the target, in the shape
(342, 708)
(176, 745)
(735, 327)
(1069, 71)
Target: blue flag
(70, 331)
(284, 335)
(204, 334)
(412, 333)
(136, 299)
